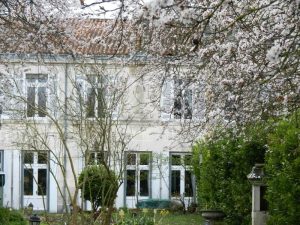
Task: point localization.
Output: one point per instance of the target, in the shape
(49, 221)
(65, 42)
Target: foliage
(99, 185)
(144, 217)
(226, 159)
(283, 169)
(11, 217)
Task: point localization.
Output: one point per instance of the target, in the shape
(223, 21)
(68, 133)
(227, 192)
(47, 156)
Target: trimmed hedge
(222, 175)
(228, 157)
(283, 169)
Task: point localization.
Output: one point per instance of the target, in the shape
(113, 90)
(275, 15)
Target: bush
(227, 158)
(99, 186)
(283, 169)
(11, 217)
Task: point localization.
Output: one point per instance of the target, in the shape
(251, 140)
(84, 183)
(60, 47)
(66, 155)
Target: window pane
(131, 159)
(188, 160)
(177, 106)
(42, 181)
(101, 102)
(188, 187)
(31, 78)
(144, 183)
(91, 95)
(130, 183)
(30, 101)
(175, 183)
(42, 101)
(28, 181)
(91, 158)
(187, 104)
(28, 157)
(144, 158)
(175, 159)
(90, 104)
(42, 78)
(42, 158)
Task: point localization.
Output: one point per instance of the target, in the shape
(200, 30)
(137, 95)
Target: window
(138, 174)
(177, 99)
(35, 173)
(182, 100)
(94, 91)
(181, 177)
(96, 158)
(36, 89)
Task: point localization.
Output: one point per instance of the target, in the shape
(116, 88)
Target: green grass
(182, 219)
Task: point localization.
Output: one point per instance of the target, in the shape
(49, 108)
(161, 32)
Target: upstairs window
(95, 102)
(182, 100)
(36, 88)
(177, 99)
(95, 96)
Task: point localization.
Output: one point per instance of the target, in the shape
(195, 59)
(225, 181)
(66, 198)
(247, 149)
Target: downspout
(12, 180)
(65, 136)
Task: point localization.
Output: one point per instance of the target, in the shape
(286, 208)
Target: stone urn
(212, 215)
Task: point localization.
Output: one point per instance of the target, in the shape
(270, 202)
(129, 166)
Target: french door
(35, 179)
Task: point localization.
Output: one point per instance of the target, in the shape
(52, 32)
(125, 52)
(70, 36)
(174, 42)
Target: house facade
(56, 111)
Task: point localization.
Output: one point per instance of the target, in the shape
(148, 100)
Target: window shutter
(111, 95)
(167, 99)
(79, 101)
(17, 103)
(52, 95)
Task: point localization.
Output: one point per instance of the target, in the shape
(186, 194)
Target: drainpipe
(12, 180)
(65, 135)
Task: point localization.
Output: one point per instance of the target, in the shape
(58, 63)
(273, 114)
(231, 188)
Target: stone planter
(212, 215)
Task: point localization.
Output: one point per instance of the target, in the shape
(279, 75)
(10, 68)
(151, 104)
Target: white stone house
(155, 164)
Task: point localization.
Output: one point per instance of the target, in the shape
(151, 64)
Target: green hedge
(283, 169)
(227, 158)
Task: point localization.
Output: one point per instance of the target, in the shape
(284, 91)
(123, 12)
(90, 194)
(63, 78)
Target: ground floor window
(181, 177)
(137, 175)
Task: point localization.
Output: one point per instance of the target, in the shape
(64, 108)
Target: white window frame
(181, 89)
(36, 84)
(35, 166)
(137, 167)
(170, 89)
(182, 168)
(84, 83)
(92, 158)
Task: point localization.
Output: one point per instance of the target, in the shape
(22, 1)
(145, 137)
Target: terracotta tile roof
(72, 36)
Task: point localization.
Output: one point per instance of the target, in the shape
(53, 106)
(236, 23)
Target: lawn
(182, 219)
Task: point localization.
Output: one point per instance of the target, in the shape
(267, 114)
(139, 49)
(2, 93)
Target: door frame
(47, 197)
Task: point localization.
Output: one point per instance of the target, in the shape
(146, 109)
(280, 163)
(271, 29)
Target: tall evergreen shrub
(283, 169)
(221, 165)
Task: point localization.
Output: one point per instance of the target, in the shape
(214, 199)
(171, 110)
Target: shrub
(99, 185)
(227, 158)
(283, 169)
